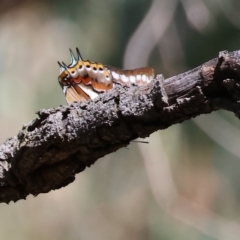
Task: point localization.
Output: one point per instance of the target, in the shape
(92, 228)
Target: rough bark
(50, 150)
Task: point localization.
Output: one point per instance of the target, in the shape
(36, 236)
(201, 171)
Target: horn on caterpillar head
(62, 68)
(79, 55)
(65, 66)
(73, 58)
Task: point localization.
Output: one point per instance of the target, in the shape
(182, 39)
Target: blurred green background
(184, 184)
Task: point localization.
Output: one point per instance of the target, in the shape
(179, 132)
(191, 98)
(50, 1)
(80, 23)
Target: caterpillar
(83, 80)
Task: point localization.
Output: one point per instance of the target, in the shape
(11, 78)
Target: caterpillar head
(82, 79)
(68, 72)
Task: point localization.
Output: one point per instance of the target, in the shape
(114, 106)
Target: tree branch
(50, 150)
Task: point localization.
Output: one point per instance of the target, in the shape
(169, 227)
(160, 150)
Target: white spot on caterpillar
(138, 77)
(132, 79)
(88, 90)
(82, 71)
(74, 74)
(124, 78)
(144, 78)
(115, 75)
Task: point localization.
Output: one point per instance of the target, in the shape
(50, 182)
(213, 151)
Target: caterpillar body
(83, 80)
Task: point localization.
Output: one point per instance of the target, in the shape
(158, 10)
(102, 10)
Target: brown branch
(49, 151)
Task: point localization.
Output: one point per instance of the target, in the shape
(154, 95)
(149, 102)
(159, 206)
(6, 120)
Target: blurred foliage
(184, 184)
